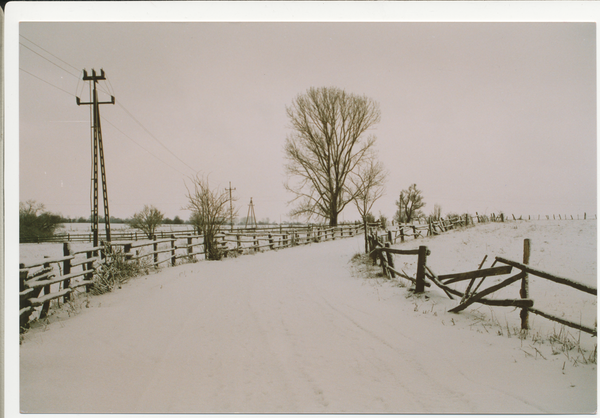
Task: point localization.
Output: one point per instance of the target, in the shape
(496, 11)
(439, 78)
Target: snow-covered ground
(305, 330)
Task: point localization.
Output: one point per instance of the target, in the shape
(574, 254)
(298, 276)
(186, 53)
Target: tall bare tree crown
(327, 144)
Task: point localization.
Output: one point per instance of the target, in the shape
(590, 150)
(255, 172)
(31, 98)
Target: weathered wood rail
(475, 278)
(423, 227)
(136, 235)
(53, 279)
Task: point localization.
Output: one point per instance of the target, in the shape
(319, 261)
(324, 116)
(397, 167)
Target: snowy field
(306, 330)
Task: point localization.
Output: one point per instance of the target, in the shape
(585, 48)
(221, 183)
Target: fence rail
(136, 235)
(383, 253)
(50, 279)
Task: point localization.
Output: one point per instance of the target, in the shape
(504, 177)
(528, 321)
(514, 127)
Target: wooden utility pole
(230, 205)
(98, 154)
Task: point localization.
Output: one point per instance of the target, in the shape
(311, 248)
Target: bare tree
(409, 205)
(367, 185)
(210, 210)
(327, 145)
(147, 220)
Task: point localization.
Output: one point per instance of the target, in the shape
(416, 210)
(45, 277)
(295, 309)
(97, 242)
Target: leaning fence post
(421, 263)
(66, 269)
(525, 284)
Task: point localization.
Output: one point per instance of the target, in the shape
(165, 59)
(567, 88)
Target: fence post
(390, 259)
(190, 248)
(66, 269)
(525, 285)
(421, 263)
(89, 266)
(155, 249)
(127, 251)
(23, 303)
(401, 229)
(173, 259)
(371, 248)
(271, 241)
(46, 305)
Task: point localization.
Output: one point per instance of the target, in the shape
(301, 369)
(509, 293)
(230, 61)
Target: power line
(45, 50)
(60, 59)
(41, 79)
(155, 138)
(99, 87)
(53, 63)
(132, 140)
(109, 122)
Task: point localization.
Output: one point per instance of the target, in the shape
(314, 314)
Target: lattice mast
(251, 216)
(98, 167)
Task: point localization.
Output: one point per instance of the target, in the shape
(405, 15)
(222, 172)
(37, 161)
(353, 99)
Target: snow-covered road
(283, 331)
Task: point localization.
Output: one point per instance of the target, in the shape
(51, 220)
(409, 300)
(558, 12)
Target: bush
(115, 271)
(147, 220)
(35, 223)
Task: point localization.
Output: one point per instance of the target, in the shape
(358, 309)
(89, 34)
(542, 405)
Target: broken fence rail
(385, 256)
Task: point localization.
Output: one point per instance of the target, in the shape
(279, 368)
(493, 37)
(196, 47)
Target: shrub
(147, 220)
(35, 223)
(115, 271)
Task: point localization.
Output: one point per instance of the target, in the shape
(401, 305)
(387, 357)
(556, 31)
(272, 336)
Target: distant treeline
(113, 220)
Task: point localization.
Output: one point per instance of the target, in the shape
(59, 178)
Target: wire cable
(155, 138)
(41, 79)
(45, 50)
(78, 76)
(132, 140)
(107, 92)
(51, 62)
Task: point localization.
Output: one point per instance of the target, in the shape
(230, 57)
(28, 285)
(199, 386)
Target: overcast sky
(483, 117)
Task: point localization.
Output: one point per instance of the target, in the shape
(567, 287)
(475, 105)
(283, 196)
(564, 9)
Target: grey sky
(483, 117)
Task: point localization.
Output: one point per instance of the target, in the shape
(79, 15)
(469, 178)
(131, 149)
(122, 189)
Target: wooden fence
(475, 278)
(52, 279)
(133, 235)
(422, 227)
